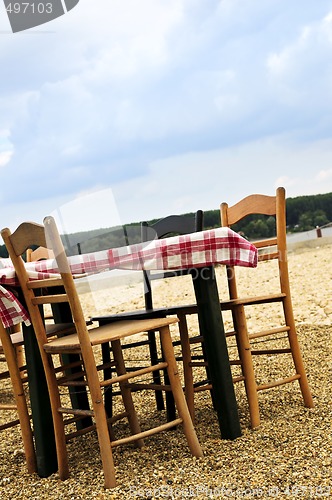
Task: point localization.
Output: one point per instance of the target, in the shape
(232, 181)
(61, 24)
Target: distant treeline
(303, 213)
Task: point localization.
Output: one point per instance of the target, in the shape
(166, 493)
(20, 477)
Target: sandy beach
(288, 456)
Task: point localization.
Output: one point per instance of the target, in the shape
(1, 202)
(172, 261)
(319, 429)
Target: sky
(122, 110)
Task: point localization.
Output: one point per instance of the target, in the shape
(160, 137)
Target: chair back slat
(252, 204)
(40, 253)
(27, 235)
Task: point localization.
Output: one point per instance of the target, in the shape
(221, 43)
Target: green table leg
(212, 329)
(40, 407)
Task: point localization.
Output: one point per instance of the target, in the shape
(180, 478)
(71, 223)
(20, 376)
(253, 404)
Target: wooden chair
(173, 224)
(82, 343)
(35, 255)
(10, 343)
(12, 355)
(39, 253)
(250, 343)
(269, 249)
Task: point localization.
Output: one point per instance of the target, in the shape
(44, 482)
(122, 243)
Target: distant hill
(303, 214)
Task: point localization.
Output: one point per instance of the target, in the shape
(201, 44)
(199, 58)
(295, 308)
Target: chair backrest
(177, 224)
(269, 248)
(40, 253)
(30, 234)
(172, 224)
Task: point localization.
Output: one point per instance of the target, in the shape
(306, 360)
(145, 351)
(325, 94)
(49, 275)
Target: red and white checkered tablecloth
(195, 250)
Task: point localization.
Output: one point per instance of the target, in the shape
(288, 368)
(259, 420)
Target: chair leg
(187, 369)
(58, 423)
(299, 366)
(244, 350)
(126, 392)
(108, 393)
(296, 353)
(156, 374)
(19, 350)
(207, 371)
(20, 358)
(22, 408)
(178, 394)
(170, 406)
(170, 403)
(101, 426)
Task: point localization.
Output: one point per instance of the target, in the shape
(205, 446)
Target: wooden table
(198, 252)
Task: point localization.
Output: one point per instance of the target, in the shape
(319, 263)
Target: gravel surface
(288, 456)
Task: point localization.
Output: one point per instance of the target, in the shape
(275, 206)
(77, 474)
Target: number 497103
(29, 8)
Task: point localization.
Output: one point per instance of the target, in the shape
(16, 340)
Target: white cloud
(82, 212)
(5, 157)
(324, 175)
(186, 183)
(137, 95)
(203, 180)
(287, 182)
(307, 54)
(327, 26)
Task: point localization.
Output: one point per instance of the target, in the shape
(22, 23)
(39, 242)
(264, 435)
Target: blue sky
(126, 110)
